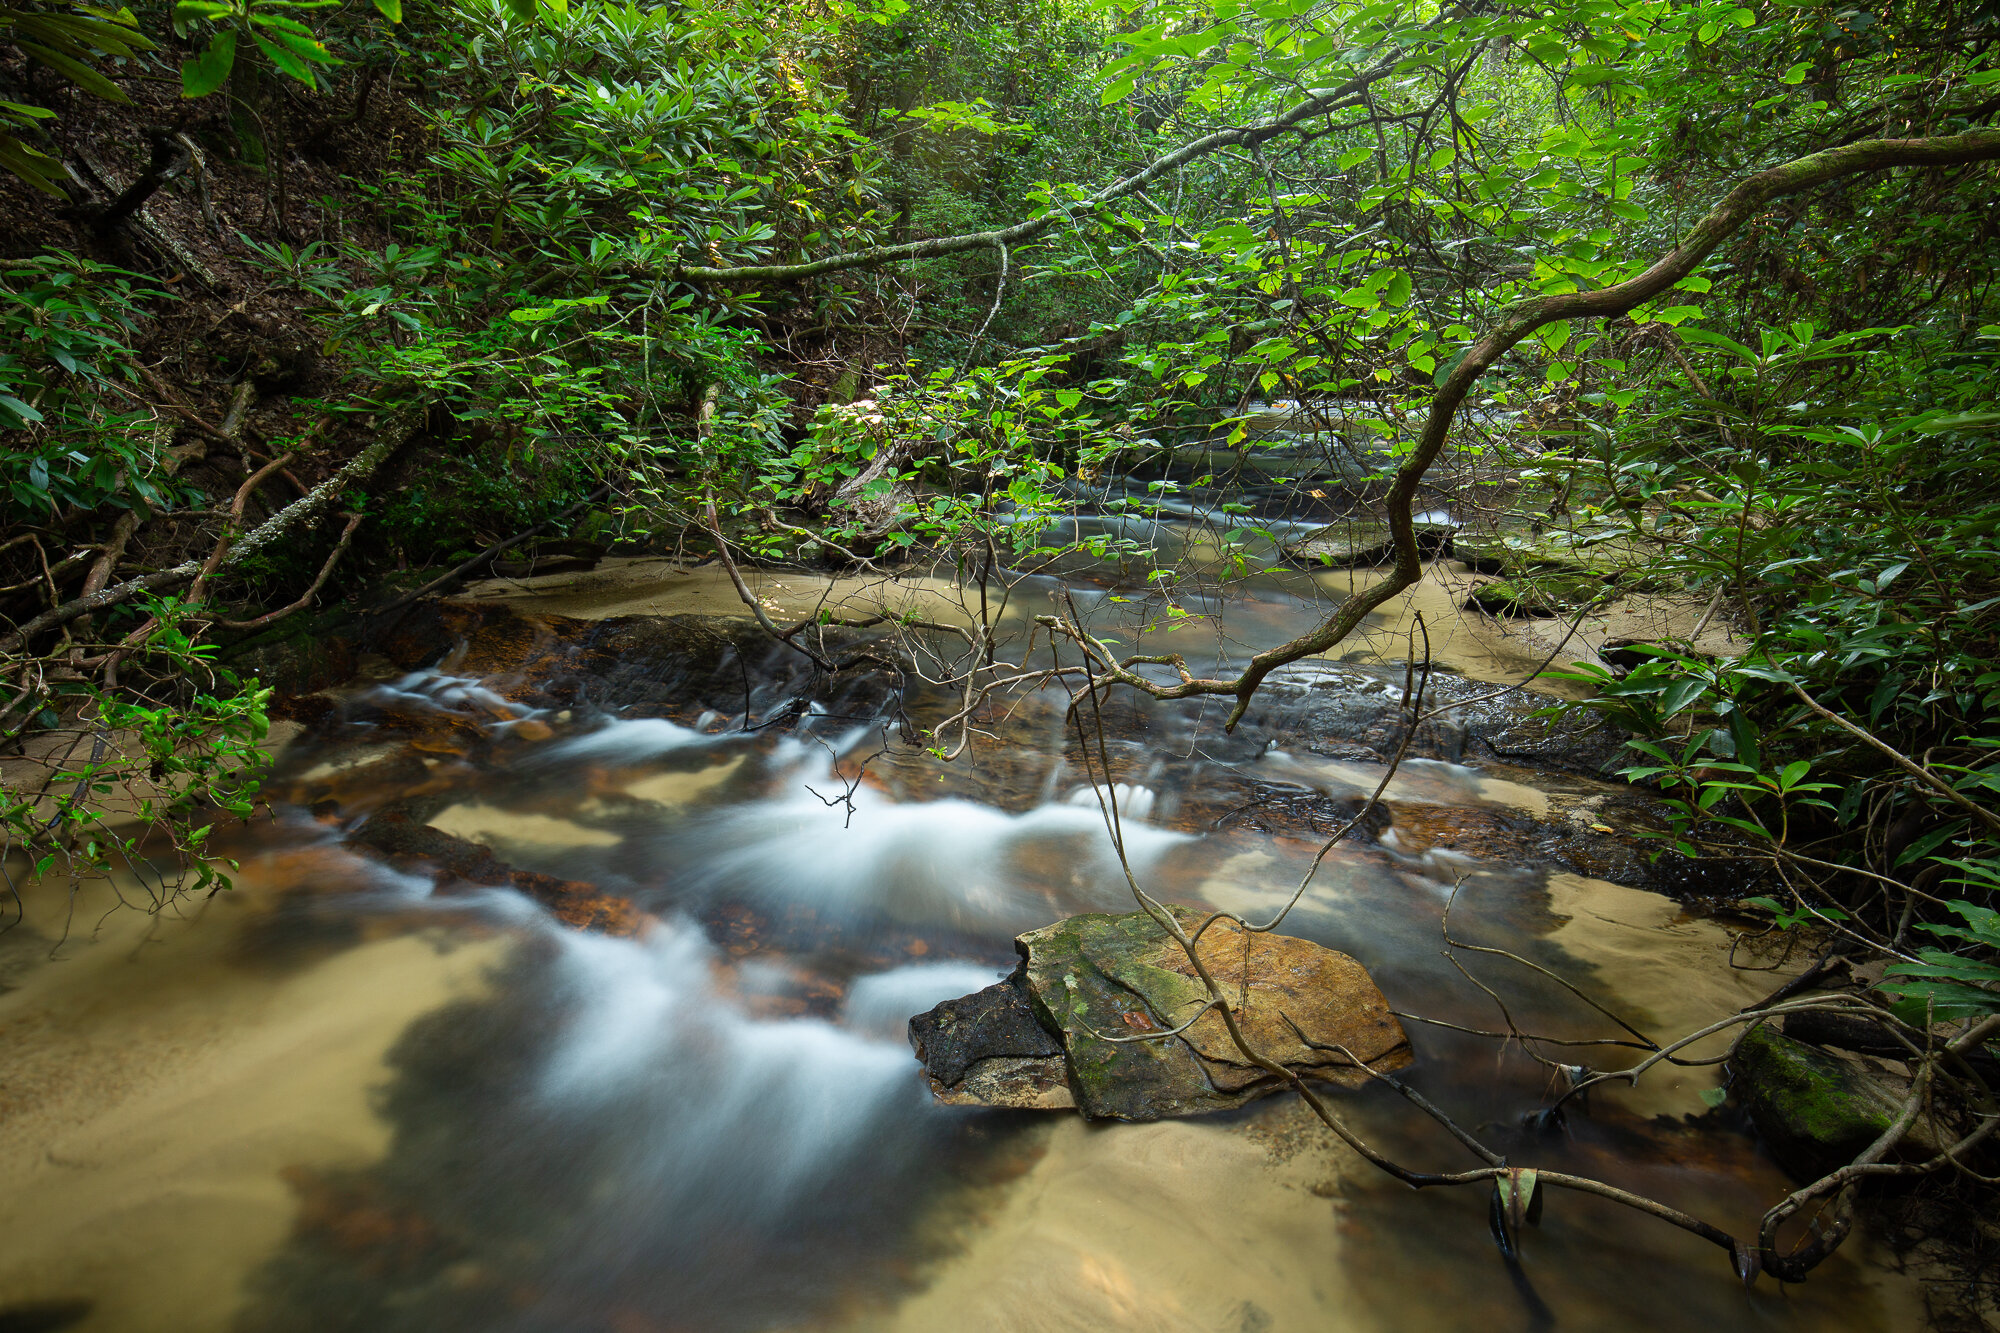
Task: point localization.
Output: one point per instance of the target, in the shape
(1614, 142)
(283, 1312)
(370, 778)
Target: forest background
(301, 301)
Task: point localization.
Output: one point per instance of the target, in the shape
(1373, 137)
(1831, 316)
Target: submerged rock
(398, 831)
(1044, 1038)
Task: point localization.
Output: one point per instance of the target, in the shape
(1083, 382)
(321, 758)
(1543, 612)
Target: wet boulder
(1359, 711)
(1818, 1109)
(643, 665)
(1355, 711)
(1090, 983)
(1537, 594)
(988, 1049)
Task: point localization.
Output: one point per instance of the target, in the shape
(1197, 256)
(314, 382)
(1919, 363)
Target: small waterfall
(439, 692)
(880, 1006)
(856, 855)
(626, 741)
(1135, 803)
(760, 1112)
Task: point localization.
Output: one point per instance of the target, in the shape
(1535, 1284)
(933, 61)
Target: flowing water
(389, 1084)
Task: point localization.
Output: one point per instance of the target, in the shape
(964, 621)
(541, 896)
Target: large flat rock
(1089, 984)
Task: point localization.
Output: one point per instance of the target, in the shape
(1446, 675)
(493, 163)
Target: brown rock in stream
(1302, 1000)
(410, 843)
(1094, 977)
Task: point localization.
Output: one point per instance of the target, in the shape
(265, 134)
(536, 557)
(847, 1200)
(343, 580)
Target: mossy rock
(1815, 1109)
(1089, 975)
(1514, 554)
(1095, 977)
(1537, 595)
(1359, 543)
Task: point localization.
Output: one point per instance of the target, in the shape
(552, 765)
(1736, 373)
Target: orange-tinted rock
(1303, 1000)
(1476, 830)
(356, 1220)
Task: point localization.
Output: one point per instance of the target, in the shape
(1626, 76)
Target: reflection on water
(604, 1139)
(159, 1079)
(363, 1096)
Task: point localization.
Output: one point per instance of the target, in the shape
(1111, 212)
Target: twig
(236, 506)
(340, 548)
(174, 404)
(1531, 965)
(1902, 761)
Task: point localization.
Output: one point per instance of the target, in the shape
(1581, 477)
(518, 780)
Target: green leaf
(76, 71)
(1743, 733)
(1682, 693)
(1717, 340)
(1521, 1197)
(287, 61)
(206, 72)
(37, 169)
(1921, 847)
(1957, 421)
(391, 10)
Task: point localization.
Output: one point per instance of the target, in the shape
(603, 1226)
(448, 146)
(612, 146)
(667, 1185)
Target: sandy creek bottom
(345, 1096)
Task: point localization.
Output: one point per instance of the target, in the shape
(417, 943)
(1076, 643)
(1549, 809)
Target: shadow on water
(601, 1143)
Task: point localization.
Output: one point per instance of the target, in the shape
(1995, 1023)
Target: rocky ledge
(1042, 1039)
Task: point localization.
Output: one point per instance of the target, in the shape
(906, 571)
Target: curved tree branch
(1521, 320)
(1320, 102)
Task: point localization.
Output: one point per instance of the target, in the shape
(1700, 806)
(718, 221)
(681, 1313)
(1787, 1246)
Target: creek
(388, 1083)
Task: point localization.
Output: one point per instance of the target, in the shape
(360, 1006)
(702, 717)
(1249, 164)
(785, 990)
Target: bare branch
(307, 507)
(1723, 221)
(1319, 103)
